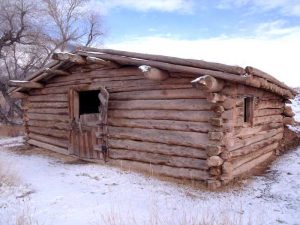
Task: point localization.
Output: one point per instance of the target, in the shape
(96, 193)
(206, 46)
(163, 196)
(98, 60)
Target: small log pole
(25, 84)
(18, 95)
(152, 73)
(214, 184)
(214, 161)
(56, 72)
(208, 83)
(63, 56)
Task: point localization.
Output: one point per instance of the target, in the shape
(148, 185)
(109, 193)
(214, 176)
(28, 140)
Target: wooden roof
(248, 76)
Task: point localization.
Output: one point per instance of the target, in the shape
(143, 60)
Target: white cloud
(104, 6)
(279, 56)
(286, 7)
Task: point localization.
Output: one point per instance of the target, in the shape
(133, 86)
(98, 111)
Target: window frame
(248, 110)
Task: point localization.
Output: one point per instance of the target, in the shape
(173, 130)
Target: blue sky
(261, 33)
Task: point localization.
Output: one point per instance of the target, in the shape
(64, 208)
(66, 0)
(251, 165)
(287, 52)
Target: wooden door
(88, 114)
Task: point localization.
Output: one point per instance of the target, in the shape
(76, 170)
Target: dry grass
(8, 174)
(155, 217)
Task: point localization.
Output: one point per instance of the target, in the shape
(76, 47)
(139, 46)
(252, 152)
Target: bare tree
(31, 31)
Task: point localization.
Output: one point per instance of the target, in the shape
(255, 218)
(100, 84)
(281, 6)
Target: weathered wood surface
(170, 104)
(49, 117)
(59, 111)
(237, 162)
(93, 60)
(159, 148)
(158, 159)
(49, 124)
(251, 164)
(196, 116)
(271, 104)
(214, 161)
(18, 95)
(49, 98)
(57, 72)
(48, 146)
(50, 140)
(259, 136)
(50, 132)
(47, 105)
(191, 139)
(161, 124)
(175, 172)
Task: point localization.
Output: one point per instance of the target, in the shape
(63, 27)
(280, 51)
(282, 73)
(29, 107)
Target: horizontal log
(246, 131)
(50, 140)
(159, 94)
(174, 60)
(157, 159)
(263, 135)
(49, 124)
(267, 119)
(201, 116)
(170, 150)
(271, 104)
(105, 63)
(174, 172)
(191, 139)
(213, 150)
(175, 104)
(208, 83)
(237, 162)
(25, 84)
(161, 124)
(250, 165)
(49, 98)
(50, 132)
(48, 146)
(59, 111)
(64, 56)
(267, 112)
(48, 105)
(49, 117)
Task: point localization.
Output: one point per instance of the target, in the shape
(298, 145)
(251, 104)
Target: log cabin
(181, 118)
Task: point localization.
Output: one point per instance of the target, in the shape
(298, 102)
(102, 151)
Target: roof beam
(24, 84)
(64, 56)
(94, 60)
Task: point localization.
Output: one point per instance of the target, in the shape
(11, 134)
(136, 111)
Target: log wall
(157, 126)
(247, 144)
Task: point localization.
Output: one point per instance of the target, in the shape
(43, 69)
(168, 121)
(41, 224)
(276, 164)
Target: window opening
(248, 109)
(89, 102)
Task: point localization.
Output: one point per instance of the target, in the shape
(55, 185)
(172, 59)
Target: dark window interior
(88, 102)
(248, 109)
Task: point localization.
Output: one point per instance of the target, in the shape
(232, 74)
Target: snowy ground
(53, 192)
